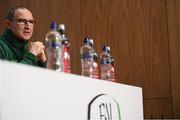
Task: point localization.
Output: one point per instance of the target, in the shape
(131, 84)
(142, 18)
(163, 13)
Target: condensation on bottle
(65, 49)
(54, 49)
(107, 65)
(87, 58)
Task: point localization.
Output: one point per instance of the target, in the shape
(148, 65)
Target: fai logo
(103, 107)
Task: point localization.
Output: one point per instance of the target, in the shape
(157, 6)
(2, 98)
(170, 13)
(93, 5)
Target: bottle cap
(61, 28)
(106, 49)
(88, 41)
(91, 41)
(53, 26)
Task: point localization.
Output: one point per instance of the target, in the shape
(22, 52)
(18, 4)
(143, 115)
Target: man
(14, 43)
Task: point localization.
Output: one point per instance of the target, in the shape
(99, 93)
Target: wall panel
(173, 12)
(158, 108)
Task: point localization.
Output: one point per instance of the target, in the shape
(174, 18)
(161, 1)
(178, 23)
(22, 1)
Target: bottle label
(87, 55)
(53, 43)
(106, 61)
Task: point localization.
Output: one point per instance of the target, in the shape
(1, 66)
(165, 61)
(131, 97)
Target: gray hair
(12, 11)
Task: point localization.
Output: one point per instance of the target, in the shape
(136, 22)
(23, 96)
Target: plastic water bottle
(54, 49)
(107, 65)
(65, 49)
(87, 58)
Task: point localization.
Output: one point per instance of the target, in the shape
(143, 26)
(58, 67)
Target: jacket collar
(14, 41)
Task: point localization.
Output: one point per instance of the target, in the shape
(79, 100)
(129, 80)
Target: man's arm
(3, 50)
(2, 54)
(31, 59)
(28, 58)
(35, 55)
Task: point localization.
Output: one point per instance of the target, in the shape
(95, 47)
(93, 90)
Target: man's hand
(42, 56)
(37, 48)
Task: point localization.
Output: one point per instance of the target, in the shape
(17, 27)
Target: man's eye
(22, 20)
(32, 21)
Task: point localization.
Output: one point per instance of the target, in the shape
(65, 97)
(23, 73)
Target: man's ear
(8, 23)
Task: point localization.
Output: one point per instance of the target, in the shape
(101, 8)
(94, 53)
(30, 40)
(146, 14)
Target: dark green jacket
(16, 50)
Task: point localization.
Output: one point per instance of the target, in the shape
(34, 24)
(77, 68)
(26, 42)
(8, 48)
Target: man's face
(22, 24)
